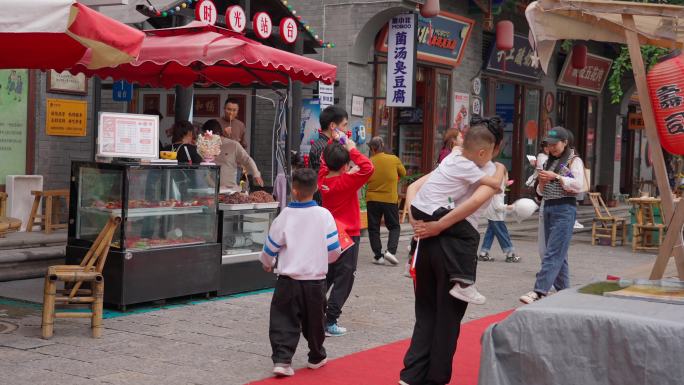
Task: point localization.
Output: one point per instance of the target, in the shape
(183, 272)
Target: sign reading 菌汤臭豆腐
(401, 60)
(66, 117)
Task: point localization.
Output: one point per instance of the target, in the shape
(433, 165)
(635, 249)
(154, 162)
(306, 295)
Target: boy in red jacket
(339, 190)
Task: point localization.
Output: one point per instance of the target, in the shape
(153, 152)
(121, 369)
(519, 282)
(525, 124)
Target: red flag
(345, 240)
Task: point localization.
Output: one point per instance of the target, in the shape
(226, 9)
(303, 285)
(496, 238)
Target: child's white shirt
(304, 240)
(496, 211)
(452, 183)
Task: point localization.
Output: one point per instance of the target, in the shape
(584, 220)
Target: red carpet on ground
(381, 365)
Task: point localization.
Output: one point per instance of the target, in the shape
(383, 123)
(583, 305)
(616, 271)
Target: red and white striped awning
(46, 34)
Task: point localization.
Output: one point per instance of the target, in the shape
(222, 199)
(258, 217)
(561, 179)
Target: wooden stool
(49, 220)
(8, 224)
(3, 203)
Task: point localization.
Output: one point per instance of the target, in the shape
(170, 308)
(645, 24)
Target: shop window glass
(505, 108)
(382, 113)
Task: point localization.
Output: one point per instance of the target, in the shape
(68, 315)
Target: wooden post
(50, 290)
(658, 160)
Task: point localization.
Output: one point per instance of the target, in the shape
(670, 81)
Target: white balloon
(523, 208)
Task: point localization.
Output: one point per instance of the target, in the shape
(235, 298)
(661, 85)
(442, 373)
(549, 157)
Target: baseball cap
(556, 135)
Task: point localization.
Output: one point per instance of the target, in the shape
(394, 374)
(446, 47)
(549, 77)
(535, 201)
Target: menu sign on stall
(66, 117)
(128, 136)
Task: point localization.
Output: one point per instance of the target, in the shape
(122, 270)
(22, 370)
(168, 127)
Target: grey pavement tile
(153, 367)
(12, 355)
(70, 366)
(35, 376)
(72, 352)
(21, 342)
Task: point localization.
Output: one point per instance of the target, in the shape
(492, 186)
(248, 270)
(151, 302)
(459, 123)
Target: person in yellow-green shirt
(382, 201)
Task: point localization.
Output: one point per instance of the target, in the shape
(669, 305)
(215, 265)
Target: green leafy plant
(623, 65)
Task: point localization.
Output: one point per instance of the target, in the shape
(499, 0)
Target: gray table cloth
(580, 339)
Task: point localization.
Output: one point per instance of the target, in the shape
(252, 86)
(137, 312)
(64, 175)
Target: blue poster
(308, 130)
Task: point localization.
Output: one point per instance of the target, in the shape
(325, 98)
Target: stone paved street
(226, 341)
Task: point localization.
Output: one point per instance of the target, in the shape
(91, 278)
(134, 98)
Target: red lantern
(666, 88)
(504, 37)
(579, 58)
(430, 8)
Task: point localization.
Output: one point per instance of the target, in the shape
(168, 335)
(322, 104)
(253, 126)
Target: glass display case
(244, 230)
(169, 228)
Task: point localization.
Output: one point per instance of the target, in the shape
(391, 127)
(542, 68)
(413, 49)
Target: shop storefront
(415, 134)
(511, 88)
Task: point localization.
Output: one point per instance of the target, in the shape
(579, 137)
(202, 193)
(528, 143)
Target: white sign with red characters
(288, 30)
(262, 25)
(206, 11)
(236, 19)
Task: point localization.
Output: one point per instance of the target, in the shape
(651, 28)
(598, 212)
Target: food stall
(152, 260)
(167, 244)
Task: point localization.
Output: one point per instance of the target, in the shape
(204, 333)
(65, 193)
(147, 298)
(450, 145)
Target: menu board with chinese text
(128, 136)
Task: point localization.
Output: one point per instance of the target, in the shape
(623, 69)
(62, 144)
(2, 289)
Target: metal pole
(97, 106)
(290, 125)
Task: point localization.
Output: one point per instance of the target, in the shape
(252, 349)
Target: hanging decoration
(288, 30)
(151, 11)
(504, 37)
(579, 59)
(206, 11)
(236, 19)
(430, 9)
(262, 25)
(666, 88)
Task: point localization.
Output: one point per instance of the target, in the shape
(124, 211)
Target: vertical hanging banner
(401, 60)
(326, 94)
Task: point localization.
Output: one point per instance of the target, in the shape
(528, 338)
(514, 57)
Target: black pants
(297, 306)
(340, 280)
(438, 320)
(376, 211)
(458, 246)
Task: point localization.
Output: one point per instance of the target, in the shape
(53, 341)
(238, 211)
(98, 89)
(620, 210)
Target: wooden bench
(49, 220)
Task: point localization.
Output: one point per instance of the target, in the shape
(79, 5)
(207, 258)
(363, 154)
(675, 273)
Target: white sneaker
(379, 261)
(318, 365)
(403, 383)
(407, 270)
(467, 294)
(530, 297)
(391, 258)
(578, 225)
(283, 370)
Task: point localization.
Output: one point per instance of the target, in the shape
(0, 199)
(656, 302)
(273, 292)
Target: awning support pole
(673, 217)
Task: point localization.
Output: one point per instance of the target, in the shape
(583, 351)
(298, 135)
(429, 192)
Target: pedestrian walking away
(382, 200)
(438, 313)
(301, 242)
(339, 192)
(559, 183)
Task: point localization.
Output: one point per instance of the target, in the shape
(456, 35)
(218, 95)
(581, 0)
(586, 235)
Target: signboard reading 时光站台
(65, 117)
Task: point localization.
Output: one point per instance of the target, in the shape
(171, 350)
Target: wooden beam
(617, 7)
(671, 245)
(657, 154)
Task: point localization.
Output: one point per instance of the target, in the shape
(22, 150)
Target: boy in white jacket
(496, 227)
(301, 243)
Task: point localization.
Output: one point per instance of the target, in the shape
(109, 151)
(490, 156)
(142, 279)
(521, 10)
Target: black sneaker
(484, 257)
(512, 257)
